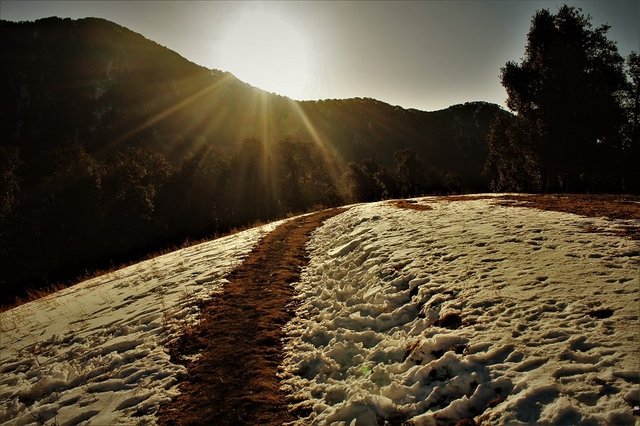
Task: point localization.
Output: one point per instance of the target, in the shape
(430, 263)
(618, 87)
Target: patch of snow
(96, 352)
(509, 315)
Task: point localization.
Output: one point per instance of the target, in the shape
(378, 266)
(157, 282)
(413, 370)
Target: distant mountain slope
(113, 146)
(96, 83)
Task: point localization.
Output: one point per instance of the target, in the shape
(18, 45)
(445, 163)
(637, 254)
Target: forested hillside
(113, 145)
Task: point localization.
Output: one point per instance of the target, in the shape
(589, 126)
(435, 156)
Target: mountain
(113, 145)
(93, 82)
(458, 310)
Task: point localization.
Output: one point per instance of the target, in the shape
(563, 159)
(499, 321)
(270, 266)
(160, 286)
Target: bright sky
(426, 55)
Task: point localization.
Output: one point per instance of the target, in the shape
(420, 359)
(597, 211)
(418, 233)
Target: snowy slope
(466, 310)
(506, 314)
(96, 351)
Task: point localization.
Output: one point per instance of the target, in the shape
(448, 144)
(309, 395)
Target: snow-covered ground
(506, 314)
(96, 351)
(511, 314)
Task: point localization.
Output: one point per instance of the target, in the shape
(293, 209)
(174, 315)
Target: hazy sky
(426, 55)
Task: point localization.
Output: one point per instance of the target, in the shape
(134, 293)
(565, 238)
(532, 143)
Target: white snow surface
(508, 315)
(95, 353)
(467, 310)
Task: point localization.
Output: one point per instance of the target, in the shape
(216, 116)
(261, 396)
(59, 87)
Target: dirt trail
(234, 380)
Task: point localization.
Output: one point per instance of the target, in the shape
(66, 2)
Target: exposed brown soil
(467, 197)
(610, 206)
(239, 337)
(410, 204)
(596, 205)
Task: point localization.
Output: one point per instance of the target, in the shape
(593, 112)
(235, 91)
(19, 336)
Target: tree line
(88, 213)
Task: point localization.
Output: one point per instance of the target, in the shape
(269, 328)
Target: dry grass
(34, 294)
(610, 206)
(38, 293)
(625, 207)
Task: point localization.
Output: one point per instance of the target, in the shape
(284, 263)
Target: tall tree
(368, 181)
(633, 97)
(631, 148)
(566, 94)
(409, 172)
(9, 180)
(249, 182)
(511, 162)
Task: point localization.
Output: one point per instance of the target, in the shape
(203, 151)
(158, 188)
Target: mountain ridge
(113, 44)
(114, 146)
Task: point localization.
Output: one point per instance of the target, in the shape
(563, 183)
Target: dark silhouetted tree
(386, 182)
(289, 162)
(409, 172)
(72, 200)
(250, 182)
(302, 176)
(512, 161)
(566, 95)
(194, 203)
(366, 181)
(9, 180)
(631, 148)
(633, 97)
(134, 179)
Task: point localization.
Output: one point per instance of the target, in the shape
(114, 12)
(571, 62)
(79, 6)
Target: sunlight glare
(265, 50)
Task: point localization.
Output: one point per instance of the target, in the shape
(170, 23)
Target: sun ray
(328, 155)
(150, 121)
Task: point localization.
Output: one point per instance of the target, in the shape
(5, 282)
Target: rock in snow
(507, 315)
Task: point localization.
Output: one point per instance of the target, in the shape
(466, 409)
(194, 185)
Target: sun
(266, 50)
